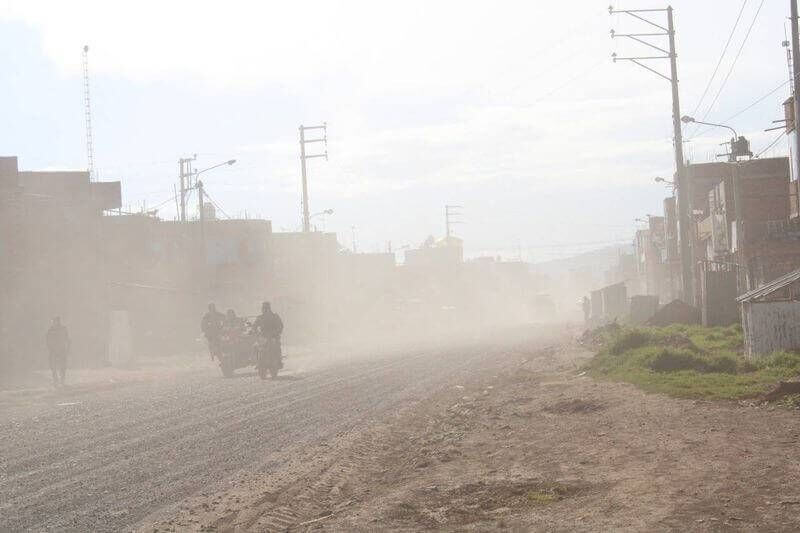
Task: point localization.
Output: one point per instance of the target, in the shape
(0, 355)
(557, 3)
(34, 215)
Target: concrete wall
(718, 296)
(771, 326)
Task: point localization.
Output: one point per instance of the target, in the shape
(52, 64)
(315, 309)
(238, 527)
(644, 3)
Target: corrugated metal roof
(769, 288)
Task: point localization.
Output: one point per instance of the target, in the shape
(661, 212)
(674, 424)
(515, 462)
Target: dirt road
(478, 437)
(111, 456)
(526, 443)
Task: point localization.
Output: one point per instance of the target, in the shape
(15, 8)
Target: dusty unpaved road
(478, 437)
(119, 456)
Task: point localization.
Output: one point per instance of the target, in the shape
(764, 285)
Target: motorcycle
(268, 356)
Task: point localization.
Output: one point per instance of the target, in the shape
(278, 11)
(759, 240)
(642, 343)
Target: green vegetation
(688, 362)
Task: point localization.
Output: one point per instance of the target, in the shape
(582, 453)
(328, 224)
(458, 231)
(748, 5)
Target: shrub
(628, 340)
(681, 341)
(670, 360)
(724, 364)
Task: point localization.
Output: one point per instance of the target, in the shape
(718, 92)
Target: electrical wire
(721, 57)
(172, 199)
(216, 206)
(580, 74)
(733, 64)
(770, 145)
(748, 107)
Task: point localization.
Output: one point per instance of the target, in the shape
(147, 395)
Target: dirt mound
(595, 338)
(573, 406)
(480, 501)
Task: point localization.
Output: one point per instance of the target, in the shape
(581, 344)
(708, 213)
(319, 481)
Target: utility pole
(303, 157)
(355, 246)
(451, 212)
(795, 93)
(202, 219)
(185, 176)
(87, 112)
(681, 180)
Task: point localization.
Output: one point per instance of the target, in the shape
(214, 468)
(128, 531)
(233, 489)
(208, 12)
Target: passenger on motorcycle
(233, 322)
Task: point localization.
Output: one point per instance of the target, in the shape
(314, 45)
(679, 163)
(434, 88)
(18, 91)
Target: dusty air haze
(367, 266)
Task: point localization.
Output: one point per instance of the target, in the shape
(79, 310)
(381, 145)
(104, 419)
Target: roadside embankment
(687, 361)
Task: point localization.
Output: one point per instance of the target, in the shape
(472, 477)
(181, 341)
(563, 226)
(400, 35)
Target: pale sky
(512, 109)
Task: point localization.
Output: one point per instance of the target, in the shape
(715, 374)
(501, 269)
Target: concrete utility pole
(681, 181)
(201, 217)
(303, 157)
(185, 176)
(795, 74)
(451, 212)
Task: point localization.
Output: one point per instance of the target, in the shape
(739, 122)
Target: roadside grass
(689, 362)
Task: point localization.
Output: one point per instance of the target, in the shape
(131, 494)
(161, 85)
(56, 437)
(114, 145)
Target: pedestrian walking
(58, 348)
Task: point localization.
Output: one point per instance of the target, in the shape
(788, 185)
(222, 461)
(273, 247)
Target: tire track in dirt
(305, 498)
(163, 466)
(72, 441)
(75, 449)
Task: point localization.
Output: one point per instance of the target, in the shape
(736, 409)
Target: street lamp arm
(687, 119)
(229, 162)
(325, 212)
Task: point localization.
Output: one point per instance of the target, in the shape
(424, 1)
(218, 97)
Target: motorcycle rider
(211, 325)
(269, 325)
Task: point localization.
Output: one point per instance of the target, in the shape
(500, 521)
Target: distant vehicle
(241, 347)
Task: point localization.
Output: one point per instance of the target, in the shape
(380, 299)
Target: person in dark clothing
(268, 324)
(211, 325)
(58, 348)
(232, 321)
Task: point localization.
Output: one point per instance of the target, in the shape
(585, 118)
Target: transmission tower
(87, 111)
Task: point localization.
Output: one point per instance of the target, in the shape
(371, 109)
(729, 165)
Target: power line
(171, 199)
(721, 57)
(770, 145)
(216, 206)
(571, 79)
(750, 106)
(733, 64)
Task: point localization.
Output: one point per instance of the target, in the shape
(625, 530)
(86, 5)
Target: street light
(198, 184)
(686, 119)
(740, 146)
(228, 162)
(667, 182)
(323, 214)
(326, 212)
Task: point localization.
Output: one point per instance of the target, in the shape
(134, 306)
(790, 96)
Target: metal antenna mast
(87, 111)
(451, 212)
(681, 184)
(303, 157)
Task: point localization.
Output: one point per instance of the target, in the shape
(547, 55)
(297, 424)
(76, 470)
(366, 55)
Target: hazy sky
(512, 109)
